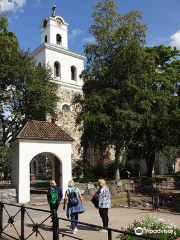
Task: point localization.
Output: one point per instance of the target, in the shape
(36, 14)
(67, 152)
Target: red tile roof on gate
(39, 130)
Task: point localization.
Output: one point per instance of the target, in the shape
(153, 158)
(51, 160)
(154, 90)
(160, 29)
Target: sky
(162, 17)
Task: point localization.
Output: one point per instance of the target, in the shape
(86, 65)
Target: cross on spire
(53, 9)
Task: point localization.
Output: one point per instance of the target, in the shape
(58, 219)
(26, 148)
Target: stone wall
(67, 120)
(141, 185)
(8, 195)
(95, 155)
(140, 191)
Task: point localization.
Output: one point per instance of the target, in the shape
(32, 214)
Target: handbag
(95, 202)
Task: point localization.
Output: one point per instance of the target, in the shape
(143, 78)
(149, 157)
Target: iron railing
(165, 201)
(109, 231)
(56, 226)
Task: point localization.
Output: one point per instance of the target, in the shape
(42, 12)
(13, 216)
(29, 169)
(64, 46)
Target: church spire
(53, 9)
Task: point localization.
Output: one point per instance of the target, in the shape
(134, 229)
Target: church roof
(39, 130)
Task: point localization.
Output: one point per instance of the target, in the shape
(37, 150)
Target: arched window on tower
(58, 39)
(73, 73)
(45, 39)
(57, 69)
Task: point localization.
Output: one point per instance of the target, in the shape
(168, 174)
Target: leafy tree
(168, 155)
(26, 90)
(130, 91)
(5, 159)
(159, 102)
(117, 66)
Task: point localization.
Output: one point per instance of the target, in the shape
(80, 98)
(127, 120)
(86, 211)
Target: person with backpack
(54, 196)
(104, 201)
(74, 205)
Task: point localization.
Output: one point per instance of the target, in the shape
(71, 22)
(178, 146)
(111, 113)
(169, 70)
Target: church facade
(66, 68)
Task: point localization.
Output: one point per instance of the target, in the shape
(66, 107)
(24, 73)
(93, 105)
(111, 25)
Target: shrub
(106, 170)
(48, 169)
(148, 223)
(5, 159)
(77, 170)
(109, 169)
(98, 170)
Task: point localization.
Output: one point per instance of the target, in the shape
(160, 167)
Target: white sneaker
(75, 229)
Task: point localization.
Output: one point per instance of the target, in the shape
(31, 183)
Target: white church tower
(66, 67)
(53, 51)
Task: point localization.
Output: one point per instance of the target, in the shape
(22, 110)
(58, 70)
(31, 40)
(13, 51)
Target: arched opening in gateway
(43, 168)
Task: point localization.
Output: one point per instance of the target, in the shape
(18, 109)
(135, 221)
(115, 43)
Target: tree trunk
(150, 162)
(117, 161)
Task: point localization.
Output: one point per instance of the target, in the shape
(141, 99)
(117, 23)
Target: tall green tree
(26, 91)
(117, 66)
(159, 102)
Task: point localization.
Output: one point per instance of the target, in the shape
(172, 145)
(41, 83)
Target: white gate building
(43, 138)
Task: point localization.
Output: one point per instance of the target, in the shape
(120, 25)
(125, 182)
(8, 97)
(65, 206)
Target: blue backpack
(72, 199)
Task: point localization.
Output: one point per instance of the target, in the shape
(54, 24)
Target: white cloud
(16, 17)
(175, 40)
(13, 5)
(37, 3)
(75, 33)
(90, 40)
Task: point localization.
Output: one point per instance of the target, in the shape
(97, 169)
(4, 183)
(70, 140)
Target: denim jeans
(74, 216)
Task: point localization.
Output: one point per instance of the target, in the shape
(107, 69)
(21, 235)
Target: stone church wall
(67, 120)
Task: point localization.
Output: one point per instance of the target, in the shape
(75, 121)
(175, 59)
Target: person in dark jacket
(57, 195)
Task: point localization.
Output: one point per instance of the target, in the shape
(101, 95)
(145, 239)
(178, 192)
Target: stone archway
(40, 138)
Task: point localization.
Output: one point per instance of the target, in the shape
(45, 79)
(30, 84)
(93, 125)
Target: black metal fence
(164, 201)
(56, 226)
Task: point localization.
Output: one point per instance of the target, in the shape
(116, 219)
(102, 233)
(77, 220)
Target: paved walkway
(120, 217)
